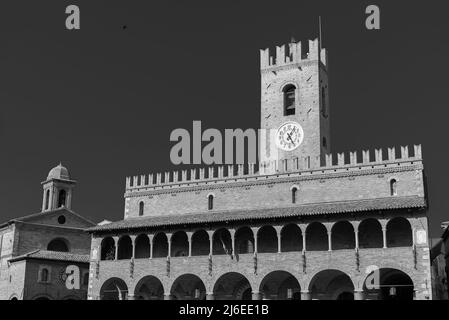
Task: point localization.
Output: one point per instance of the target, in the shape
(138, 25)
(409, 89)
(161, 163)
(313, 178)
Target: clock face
(289, 136)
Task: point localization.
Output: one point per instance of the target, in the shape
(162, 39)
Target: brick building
(35, 250)
(301, 225)
(439, 255)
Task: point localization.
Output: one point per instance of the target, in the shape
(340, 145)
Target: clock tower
(294, 107)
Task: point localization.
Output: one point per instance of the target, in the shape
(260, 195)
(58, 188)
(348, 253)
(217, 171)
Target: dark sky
(104, 99)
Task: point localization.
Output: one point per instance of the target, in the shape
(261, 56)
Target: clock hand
(290, 137)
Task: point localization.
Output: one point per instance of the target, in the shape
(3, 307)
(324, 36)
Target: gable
(60, 217)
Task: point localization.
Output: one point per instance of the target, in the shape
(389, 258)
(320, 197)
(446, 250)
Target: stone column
(329, 240)
(169, 243)
(256, 295)
(116, 247)
(384, 235)
(232, 232)
(356, 234)
(278, 232)
(304, 241)
(133, 244)
(211, 241)
(189, 238)
(151, 236)
(305, 295)
(359, 295)
(210, 296)
(167, 296)
(255, 230)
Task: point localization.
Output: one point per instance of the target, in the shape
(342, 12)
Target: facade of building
(439, 254)
(36, 250)
(301, 225)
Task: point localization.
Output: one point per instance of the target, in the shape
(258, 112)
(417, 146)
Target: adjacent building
(45, 255)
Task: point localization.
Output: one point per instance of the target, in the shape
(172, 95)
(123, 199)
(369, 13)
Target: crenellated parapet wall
(293, 53)
(352, 161)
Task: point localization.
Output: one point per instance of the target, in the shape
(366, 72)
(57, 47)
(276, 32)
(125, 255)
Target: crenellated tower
(294, 105)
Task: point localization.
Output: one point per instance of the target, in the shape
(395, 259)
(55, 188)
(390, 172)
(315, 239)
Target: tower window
(141, 208)
(323, 102)
(47, 199)
(289, 100)
(210, 202)
(294, 194)
(324, 142)
(62, 198)
(393, 187)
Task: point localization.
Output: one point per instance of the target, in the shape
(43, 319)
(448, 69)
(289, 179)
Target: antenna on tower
(319, 35)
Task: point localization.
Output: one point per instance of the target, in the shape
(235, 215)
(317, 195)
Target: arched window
(59, 245)
(62, 198)
(393, 187)
(289, 100)
(141, 207)
(47, 199)
(294, 194)
(44, 275)
(210, 202)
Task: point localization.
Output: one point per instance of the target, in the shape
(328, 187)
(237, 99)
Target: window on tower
(62, 198)
(47, 199)
(323, 102)
(289, 100)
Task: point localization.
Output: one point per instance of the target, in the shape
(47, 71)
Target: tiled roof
(53, 255)
(236, 215)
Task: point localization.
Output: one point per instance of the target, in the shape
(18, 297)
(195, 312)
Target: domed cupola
(58, 189)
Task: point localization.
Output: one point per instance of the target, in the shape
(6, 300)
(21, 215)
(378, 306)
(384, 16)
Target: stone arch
(59, 244)
(222, 243)
(125, 248)
(370, 234)
(179, 244)
(329, 284)
(108, 249)
(200, 243)
(267, 239)
(343, 236)
(280, 285)
(42, 296)
(388, 284)
(160, 245)
(399, 233)
(316, 237)
(230, 285)
(149, 288)
(114, 289)
(244, 240)
(188, 287)
(142, 246)
(291, 238)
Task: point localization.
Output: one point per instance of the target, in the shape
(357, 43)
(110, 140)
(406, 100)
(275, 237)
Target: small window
(324, 142)
(62, 198)
(141, 208)
(86, 279)
(289, 100)
(294, 194)
(210, 202)
(44, 275)
(323, 102)
(393, 187)
(47, 199)
(61, 219)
